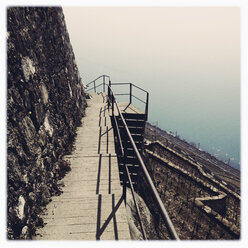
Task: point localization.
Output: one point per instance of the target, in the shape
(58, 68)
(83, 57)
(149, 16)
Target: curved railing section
(112, 103)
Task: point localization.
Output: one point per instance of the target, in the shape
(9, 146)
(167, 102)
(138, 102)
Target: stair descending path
(91, 206)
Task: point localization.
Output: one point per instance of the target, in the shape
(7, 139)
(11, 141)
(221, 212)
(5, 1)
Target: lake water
(218, 138)
(210, 123)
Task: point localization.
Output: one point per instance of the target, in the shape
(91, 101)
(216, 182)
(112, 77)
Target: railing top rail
(140, 88)
(120, 94)
(97, 79)
(119, 83)
(124, 83)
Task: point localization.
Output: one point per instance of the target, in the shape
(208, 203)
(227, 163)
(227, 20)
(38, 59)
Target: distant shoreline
(155, 132)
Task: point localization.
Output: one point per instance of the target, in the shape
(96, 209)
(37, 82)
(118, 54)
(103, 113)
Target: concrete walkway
(91, 205)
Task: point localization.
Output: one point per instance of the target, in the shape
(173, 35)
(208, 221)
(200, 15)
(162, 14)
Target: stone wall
(46, 102)
(196, 204)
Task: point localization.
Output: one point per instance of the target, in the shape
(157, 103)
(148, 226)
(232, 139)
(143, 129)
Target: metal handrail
(140, 88)
(123, 83)
(164, 213)
(94, 81)
(123, 154)
(97, 79)
(139, 99)
(95, 87)
(165, 216)
(121, 94)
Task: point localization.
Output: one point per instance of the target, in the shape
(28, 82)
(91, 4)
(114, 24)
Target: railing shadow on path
(113, 106)
(100, 229)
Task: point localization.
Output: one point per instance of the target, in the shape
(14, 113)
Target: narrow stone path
(91, 206)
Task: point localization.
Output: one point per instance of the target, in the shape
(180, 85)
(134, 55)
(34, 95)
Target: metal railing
(130, 93)
(112, 101)
(114, 104)
(95, 80)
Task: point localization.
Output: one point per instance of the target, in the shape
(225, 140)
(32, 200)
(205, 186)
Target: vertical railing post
(147, 101)
(95, 86)
(109, 93)
(125, 187)
(108, 98)
(125, 172)
(113, 110)
(103, 83)
(130, 94)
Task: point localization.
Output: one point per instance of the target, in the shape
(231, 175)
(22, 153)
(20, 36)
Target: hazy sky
(188, 58)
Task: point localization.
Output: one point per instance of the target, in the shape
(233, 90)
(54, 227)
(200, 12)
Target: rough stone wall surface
(197, 209)
(45, 104)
